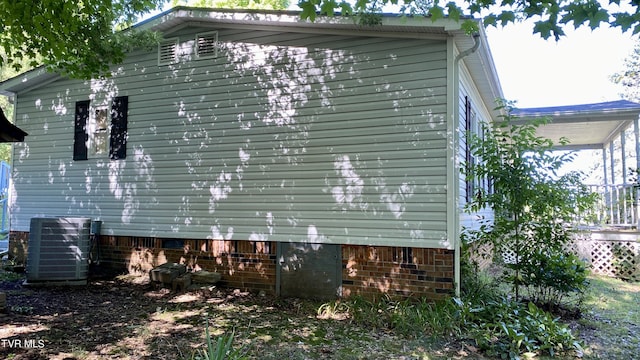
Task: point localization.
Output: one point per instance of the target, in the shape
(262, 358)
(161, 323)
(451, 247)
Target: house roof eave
(483, 70)
(291, 19)
(482, 67)
(26, 81)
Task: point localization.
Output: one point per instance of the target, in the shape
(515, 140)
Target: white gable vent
(207, 44)
(168, 51)
(58, 250)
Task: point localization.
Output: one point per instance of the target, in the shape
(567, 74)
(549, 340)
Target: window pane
(101, 119)
(100, 133)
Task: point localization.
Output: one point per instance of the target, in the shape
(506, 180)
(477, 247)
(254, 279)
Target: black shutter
(118, 141)
(80, 135)
(468, 157)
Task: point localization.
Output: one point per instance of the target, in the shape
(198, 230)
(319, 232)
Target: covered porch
(607, 138)
(608, 134)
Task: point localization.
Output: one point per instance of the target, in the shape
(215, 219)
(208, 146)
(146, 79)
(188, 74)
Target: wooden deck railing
(617, 206)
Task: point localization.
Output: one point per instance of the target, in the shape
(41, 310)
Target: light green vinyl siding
(282, 137)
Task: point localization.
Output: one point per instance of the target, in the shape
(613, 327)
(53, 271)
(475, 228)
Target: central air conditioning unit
(58, 250)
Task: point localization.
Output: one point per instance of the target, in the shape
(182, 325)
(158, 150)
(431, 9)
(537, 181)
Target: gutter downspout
(476, 45)
(456, 174)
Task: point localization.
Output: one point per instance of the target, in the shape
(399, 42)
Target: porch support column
(636, 135)
(605, 191)
(623, 151)
(604, 166)
(613, 198)
(612, 163)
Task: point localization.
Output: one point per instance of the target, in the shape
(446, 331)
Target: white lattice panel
(616, 258)
(619, 259)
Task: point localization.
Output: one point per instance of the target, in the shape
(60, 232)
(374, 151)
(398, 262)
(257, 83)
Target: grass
(615, 299)
(611, 319)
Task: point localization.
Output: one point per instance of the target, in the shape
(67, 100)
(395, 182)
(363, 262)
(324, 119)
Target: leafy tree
(532, 205)
(235, 4)
(5, 152)
(629, 78)
(80, 38)
(550, 15)
(76, 38)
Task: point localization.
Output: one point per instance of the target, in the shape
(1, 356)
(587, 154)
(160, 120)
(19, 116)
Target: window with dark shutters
(80, 137)
(474, 126)
(90, 132)
(118, 141)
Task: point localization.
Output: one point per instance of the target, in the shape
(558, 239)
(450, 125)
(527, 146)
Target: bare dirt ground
(129, 318)
(132, 319)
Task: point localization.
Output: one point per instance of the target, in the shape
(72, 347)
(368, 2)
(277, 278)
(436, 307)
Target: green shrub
(509, 329)
(499, 325)
(549, 276)
(532, 205)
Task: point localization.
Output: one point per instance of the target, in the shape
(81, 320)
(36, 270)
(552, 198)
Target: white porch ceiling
(588, 126)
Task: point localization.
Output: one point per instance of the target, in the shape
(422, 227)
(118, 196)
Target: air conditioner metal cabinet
(58, 250)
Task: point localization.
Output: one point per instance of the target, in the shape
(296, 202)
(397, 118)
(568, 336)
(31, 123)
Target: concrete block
(205, 277)
(181, 283)
(166, 273)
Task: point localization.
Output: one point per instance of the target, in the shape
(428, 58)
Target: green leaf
(507, 17)
(454, 11)
(490, 20)
(623, 20)
(543, 28)
(470, 26)
(328, 7)
(436, 12)
(546, 28)
(361, 5)
(308, 10)
(599, 17)
(346, 9)
(474, 8)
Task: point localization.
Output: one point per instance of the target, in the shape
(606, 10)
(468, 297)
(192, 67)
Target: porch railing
(617, 206)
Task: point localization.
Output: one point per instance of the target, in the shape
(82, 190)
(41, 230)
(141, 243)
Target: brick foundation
(368, 271)
(374, 270)
(244, 265)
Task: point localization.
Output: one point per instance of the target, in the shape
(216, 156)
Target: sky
(574, 70)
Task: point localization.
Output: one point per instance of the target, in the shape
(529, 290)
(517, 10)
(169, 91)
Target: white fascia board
(291, 19)
(27, 81)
